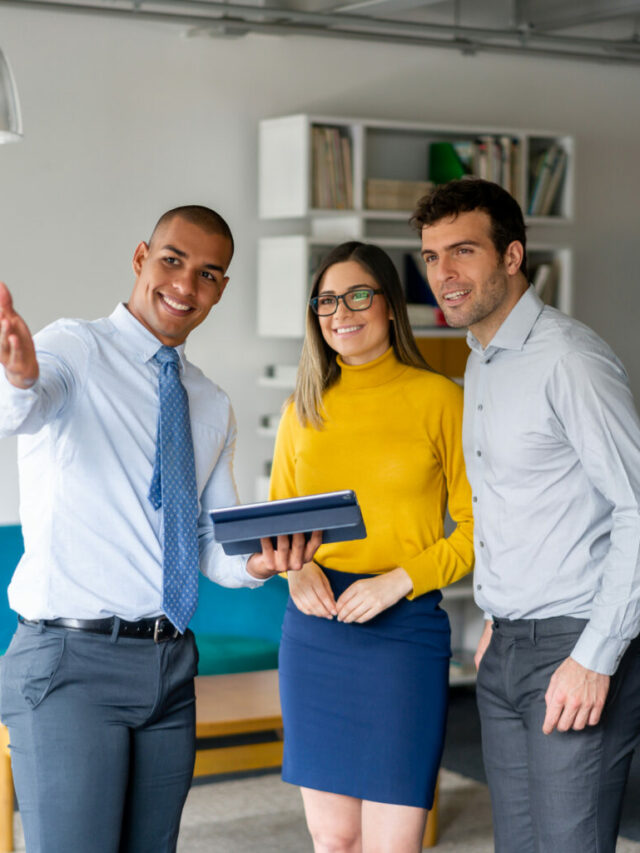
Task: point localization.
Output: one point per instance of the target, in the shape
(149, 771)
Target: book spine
(542, 180)
(348, 169)
(554, 183)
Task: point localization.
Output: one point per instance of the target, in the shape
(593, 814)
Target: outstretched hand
(289, 555)
(575, 697)
(17, 351)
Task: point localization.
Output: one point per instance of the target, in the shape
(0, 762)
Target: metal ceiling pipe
(249, 13)
(274, 21)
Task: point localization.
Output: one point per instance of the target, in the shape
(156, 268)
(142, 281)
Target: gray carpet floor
(264, 815)
(261, 814)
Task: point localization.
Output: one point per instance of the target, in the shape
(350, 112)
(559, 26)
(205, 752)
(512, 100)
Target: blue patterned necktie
(173, 487)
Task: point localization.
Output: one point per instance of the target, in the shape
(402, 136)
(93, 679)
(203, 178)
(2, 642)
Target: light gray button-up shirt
(552, 448)
(93, 542)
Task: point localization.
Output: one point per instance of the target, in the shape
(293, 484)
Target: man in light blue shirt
(97, 686)
(552, 447)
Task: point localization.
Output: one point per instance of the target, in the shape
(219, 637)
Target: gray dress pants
(563, 792)
(102, 734)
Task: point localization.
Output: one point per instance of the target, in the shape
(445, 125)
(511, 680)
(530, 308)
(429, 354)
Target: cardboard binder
(240, 528)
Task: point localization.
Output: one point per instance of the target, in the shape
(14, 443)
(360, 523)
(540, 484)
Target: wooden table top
(237, 702)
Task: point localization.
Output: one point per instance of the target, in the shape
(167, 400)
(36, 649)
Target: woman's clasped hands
(360, 602)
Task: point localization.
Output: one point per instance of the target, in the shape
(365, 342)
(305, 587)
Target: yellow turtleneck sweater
(393, 434)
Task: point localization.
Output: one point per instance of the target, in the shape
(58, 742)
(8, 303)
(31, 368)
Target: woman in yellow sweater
(365, 648)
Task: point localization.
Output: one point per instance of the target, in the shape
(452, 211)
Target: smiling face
(357, 336)
(472, 284)
(180, 276)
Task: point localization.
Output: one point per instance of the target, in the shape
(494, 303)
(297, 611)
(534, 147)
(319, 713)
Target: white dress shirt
(93, 542)
(552, 447)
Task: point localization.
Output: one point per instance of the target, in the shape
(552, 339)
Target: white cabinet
(284, 267)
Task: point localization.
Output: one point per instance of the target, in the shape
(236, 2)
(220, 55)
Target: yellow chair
(6, 794)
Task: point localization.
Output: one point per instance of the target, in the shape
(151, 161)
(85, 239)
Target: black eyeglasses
(355, 300)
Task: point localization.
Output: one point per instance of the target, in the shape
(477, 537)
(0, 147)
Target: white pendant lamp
(10, 118)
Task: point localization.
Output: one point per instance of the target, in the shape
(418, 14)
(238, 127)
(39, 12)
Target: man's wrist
(20, 382)
(255, 572)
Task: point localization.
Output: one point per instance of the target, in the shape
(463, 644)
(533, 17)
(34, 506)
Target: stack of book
(332, 168)
(547, 171)
(384, 194)
(422, 308)
(495, 158)
(544, 279)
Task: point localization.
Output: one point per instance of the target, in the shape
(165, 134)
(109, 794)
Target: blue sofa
(237, 630)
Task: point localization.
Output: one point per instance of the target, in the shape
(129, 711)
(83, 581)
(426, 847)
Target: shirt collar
(517, 327)
(144, 342)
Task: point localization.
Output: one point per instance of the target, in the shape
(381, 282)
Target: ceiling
(579, 30)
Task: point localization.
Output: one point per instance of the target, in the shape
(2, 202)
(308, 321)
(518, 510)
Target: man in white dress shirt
(552, 447)
(97, 685)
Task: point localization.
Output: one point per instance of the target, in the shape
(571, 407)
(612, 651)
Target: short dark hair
(199, 215)
(467, 194)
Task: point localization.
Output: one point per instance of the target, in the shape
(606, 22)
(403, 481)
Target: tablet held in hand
(240, 528)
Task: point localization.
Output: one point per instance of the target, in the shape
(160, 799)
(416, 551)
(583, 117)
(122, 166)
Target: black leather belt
(158, 629)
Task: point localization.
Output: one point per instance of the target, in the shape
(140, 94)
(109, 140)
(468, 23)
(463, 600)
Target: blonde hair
(318, 369)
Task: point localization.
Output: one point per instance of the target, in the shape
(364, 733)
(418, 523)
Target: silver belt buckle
(157, 628)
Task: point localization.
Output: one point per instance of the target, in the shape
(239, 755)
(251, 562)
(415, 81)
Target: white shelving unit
(386, 150)
(280, 380)
(391, 151)
(300, 232)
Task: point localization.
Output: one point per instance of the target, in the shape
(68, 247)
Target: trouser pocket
(29, 667)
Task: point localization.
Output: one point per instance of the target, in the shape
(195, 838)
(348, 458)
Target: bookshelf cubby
(324, 180)
(406, 152)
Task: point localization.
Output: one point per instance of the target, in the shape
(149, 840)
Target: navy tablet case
(240, 528)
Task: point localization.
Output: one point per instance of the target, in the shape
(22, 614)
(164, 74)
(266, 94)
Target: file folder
(240, 528)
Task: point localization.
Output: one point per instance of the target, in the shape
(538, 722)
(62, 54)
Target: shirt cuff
(249, 580)
(225, 570)
(598, 653)
(16, 403)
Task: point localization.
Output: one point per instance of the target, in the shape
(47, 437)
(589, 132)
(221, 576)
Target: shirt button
(475, 499)
(481, 544)
(479, 407)
(478, 453)
(479, 586)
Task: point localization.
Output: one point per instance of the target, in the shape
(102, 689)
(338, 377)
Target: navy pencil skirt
(364, 705)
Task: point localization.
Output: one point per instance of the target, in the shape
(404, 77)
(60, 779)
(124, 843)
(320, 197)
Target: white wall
(124, 119)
